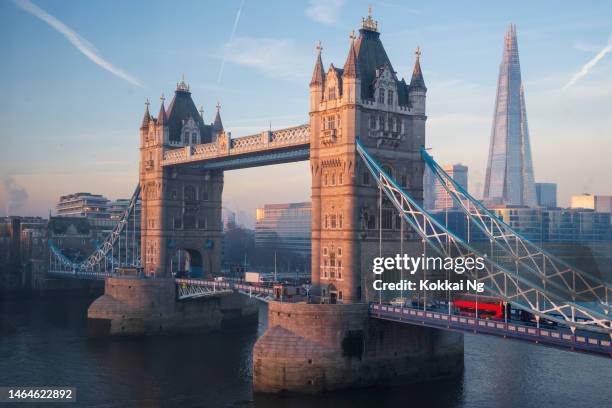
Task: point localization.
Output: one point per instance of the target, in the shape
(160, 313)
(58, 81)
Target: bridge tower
(181, 205)
(331, 343)
(365, 99)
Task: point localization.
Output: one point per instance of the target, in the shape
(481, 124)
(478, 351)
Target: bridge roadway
(553, 336)
(435, 316)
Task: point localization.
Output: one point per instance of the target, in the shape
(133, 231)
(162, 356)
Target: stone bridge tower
(181, 205)
(365, 99)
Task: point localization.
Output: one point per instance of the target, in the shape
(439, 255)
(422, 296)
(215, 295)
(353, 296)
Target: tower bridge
(365, 144)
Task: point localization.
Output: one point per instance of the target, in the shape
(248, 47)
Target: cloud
(587, 67)
(324, 11)
(276, 58)
(16, 196)
(80, 43)
(236, 21)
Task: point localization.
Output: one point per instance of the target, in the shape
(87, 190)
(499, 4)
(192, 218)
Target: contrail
(587, 67)
(80, 43)
(236, 20)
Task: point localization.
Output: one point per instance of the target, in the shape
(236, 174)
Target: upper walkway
(266, 148)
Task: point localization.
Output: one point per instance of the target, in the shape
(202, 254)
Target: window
(333, 179)
(325, 251)
(194, 138)
(326, 225)
(330, 122)
(390, 97)
(387, 218)
(339, 251)
(333, 221)
(372, 122)
(339, 274)
(371, 222)
(381, 96)
(392, 125)
(339, 220)
(190, 193)
(340, 295)
(325, 179)
(331, 92)
(380, 123)
(340, 178)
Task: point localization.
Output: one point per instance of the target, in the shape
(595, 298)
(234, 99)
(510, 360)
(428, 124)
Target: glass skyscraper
(509, 179)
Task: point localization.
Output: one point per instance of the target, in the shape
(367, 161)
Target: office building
(509, 179)
(546, 194)
(597, 203)
(83, 205)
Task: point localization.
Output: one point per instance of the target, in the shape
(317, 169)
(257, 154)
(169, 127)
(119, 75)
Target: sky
(74, 77)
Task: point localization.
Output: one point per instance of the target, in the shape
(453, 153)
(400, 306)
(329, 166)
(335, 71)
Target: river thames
(43, 342)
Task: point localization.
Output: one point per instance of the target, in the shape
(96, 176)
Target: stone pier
(312, 348)
(133, 306)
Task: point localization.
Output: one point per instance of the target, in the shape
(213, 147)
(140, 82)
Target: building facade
(284, 226)
(509, 178)
(597, 203)
(83, 205)
(457, 172)
(546, 194)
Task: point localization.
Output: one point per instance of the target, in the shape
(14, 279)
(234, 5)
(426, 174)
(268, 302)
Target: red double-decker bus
(485, 307)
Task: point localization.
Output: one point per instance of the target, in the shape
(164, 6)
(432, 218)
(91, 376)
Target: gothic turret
(217, 126)
(417, 89)
(417, 80)
(318, 75)
(147, 117)
(161, 117)
(351, 68)
(351, 83)
(318, 80)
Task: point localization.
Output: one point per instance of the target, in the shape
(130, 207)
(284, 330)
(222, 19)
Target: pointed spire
(417, 80)
(218, 125)
(351, 69)
(182, 86)
(147, 116)
(201, 112)
(161, 117)
(318, 76)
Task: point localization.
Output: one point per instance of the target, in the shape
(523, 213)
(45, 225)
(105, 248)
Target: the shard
(509, 179)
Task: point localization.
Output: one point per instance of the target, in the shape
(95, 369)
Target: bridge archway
(187, 262)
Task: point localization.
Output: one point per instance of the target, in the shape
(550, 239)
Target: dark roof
(182, 108)
(371, 55)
